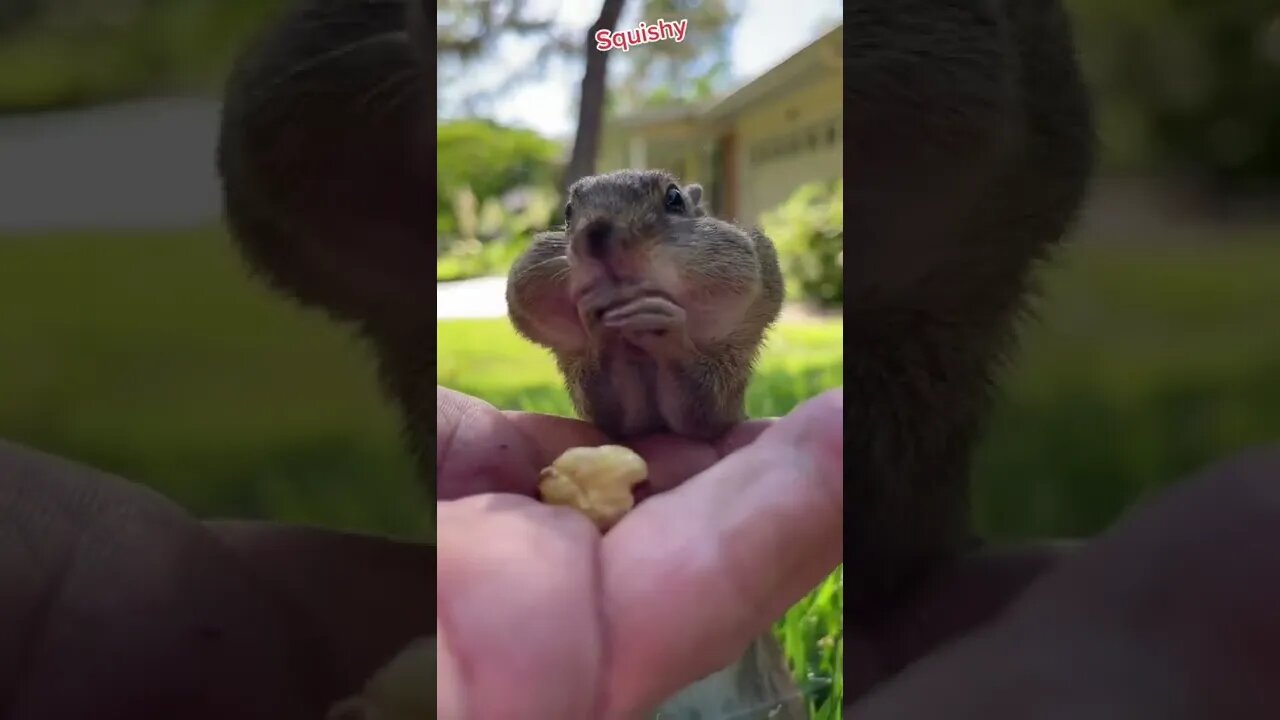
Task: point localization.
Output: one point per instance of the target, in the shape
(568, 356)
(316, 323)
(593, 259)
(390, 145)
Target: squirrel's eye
(674, 200)
(568, 212)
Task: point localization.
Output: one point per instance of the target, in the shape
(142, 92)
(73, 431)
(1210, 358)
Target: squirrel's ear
(695, 193)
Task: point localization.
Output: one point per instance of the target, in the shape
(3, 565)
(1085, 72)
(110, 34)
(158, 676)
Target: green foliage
(673, 73)
(487, 160)
(1145, 363)
(491, 237)
(472, 259)
(71, 54)
(808, 229)
(1185, 86)
(157, 357)
(812, 638)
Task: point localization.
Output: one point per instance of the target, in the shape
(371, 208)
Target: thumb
(692, 576)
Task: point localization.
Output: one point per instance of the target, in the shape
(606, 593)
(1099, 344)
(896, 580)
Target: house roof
(824, 53)
(666, 114)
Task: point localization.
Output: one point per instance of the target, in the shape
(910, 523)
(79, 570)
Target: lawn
(1147, 362)
(157, 358)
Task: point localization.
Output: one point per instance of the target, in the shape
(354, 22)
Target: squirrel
(654, 310)
(324, 156)
(973, 141)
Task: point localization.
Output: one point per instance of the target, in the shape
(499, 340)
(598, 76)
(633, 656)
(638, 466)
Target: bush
(493, 233)
(490, 160)
(808, 229)
(1189, 87)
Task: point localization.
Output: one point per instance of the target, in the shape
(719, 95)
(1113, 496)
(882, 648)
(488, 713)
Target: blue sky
(769, 31)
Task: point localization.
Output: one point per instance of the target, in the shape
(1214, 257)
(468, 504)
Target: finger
(479, 450)
(549, 435)
(117, 603)
(953, 602)
(1179, 594)
(694, 574)
(671, 459)
(742, 435)
(366, 594)
(524, 636)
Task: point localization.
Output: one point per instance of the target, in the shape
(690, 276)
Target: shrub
(808, 229)
(490, 160)
(493, 233)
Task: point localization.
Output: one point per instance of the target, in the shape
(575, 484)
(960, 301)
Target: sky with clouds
(767, 33)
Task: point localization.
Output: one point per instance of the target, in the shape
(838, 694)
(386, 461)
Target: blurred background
(132, 339)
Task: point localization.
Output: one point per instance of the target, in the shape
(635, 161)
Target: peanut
(596, 481)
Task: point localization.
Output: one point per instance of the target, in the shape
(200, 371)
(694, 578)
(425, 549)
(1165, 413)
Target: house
(752, 148)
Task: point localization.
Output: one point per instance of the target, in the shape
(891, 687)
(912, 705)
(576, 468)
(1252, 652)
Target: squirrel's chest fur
(635, 384)
(620, 392)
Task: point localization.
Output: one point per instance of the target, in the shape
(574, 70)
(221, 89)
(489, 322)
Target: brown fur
(972, 139)
(325, 165)
(725, 278)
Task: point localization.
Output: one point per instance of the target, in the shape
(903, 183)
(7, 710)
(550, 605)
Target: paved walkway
(476, 298)
(133, 166)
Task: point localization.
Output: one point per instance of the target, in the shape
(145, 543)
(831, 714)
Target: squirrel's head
(644, 227)
(627, 208)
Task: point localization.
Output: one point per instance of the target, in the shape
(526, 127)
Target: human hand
(480, 449)
(115, 602)
(541, 617)
(1169, 614)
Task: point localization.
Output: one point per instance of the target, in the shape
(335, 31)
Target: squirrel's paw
(652, 323)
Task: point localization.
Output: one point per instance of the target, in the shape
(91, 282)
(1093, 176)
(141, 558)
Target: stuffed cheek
(665, 274)
(557, 319)
(719, 311)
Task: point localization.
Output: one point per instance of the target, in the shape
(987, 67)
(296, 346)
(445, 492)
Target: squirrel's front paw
(653, 324)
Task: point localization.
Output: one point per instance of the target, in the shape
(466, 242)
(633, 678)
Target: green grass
(1147, 362)
(99, 54)
(157, 358)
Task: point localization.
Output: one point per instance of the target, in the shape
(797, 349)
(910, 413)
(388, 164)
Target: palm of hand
(601, 627)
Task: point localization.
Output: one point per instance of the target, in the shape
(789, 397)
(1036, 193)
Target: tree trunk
(586, 143)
